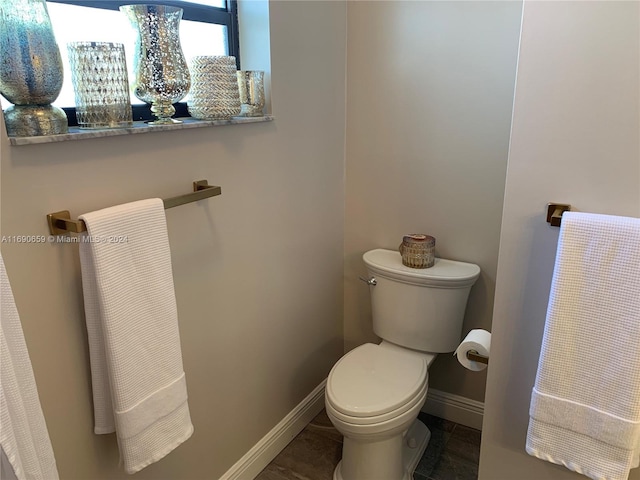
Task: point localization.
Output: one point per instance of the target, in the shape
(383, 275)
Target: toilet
(375, 392)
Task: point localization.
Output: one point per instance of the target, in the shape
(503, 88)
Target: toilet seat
(371, 384)
(379, 421)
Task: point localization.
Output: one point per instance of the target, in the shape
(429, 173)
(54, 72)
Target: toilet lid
(371, 381)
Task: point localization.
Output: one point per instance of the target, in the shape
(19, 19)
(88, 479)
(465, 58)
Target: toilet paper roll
(477, 340)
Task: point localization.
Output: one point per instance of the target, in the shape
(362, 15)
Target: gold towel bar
(555, 211)
(61, 223)
(476, 357)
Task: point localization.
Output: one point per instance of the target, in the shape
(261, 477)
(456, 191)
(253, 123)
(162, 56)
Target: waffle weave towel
(24, 438)
(585, 405)
(139, 387)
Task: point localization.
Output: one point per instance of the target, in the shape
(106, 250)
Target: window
(208, 27)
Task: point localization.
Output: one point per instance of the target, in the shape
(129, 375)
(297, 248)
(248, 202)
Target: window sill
(76, 133)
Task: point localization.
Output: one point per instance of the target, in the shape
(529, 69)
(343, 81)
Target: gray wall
(257, 271)
(575, 139)
(430, 90)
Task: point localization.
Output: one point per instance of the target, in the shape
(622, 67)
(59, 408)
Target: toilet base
(414, 444)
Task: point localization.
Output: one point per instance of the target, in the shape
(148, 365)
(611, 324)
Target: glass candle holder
(418, 250)
(161, 75)
(100, 83)
(251, 85)
(214, 88)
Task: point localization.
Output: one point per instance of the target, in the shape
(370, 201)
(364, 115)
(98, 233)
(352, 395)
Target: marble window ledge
(76, 133)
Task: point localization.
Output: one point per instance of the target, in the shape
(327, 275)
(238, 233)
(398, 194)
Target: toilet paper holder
(476, 357)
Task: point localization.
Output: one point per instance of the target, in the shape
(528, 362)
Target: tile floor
(452, 454)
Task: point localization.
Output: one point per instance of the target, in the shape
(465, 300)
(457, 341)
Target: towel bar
(555, 211)
(476, 357)
(61, 223)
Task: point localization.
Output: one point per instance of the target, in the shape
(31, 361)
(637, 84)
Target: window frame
(227, 16)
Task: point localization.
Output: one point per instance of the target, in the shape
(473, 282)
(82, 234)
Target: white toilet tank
(422, 309)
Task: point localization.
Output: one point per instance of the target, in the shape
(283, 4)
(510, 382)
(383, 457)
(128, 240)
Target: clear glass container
(100, 83)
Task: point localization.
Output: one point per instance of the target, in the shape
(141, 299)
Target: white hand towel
(139, 387)
(24, 439)
(585, 406)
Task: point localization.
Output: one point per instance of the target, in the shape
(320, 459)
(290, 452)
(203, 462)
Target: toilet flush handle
(369, 281)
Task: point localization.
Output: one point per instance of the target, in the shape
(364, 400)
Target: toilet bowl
(373, 397)
(375, 392)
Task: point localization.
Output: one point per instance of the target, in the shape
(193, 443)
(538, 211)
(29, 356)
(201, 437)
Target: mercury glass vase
(251, 84)
(160, 69)
(31, 69)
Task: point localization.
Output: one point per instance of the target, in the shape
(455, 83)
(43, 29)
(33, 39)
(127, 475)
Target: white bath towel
(24, 439)
(139, 387)
(585, 406)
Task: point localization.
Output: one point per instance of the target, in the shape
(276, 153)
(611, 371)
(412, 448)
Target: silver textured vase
(161, 72)
(31, 69)
(214, 92)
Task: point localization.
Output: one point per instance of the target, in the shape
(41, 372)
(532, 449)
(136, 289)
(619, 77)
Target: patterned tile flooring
(452, 454)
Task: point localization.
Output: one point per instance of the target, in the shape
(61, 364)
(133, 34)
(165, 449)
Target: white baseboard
(445, 405)
(256, 459)
(454, 408)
